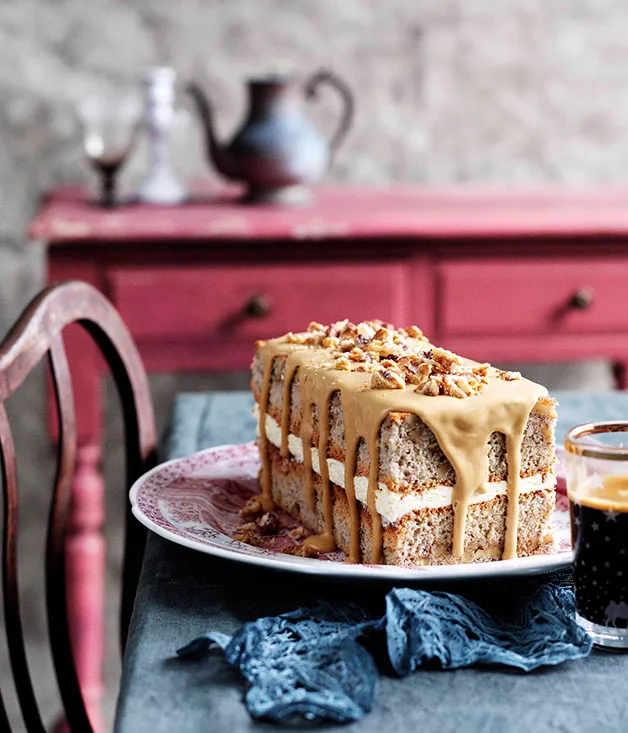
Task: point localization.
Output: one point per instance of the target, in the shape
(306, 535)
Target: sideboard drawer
(256, 301)
(548, 295)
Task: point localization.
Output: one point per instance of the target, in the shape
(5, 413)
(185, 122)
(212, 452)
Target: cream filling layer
(393, 505)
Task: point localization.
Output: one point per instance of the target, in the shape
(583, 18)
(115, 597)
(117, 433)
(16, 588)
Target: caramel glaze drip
(268, 356)
(462, 427)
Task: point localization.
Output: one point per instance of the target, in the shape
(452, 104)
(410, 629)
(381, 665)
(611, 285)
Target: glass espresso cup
(597, 487)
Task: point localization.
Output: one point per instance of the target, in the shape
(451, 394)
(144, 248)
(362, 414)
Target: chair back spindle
(38, 333)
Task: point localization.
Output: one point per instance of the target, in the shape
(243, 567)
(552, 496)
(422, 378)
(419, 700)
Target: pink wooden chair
(38, 333)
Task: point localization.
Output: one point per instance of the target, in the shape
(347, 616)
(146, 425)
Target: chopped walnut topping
(483, 369)
(444, 373)
(375, 338)
(429, 387)
(251, 509)
(247, 535)
(390, 356)
(411, 366)
(456, 387)
(294, 338)
(269, 523)
(301, 551)
(446, 360)
(414, 332)
(298, 533)
(464, 385)
(507, 376)
(388, 379)
(356, 354)
(338, 328)
(365, 332)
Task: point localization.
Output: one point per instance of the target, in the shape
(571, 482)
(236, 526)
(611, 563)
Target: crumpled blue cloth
(426, 627)
(311, 663)
(304, 664)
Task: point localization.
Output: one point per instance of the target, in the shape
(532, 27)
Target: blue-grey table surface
(183, 593)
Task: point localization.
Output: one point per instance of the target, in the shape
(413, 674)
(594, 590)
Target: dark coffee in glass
(597, 486)
(599, 534)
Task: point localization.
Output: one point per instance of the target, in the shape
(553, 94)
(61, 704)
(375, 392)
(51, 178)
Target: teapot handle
(328, 77)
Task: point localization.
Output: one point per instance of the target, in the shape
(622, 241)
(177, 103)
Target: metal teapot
(277, 151)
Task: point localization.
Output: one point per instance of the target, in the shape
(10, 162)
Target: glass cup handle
(328, 77)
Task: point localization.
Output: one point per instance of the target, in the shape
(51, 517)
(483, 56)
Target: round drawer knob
(582, 298)
(258, 306)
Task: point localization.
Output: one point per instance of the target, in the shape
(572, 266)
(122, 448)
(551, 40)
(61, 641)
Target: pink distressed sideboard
(500, 275)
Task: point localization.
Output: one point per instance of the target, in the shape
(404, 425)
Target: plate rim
(522, 566)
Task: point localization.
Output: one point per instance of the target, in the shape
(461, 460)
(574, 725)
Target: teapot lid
(272, 76)
(277, 71)
(272, 80)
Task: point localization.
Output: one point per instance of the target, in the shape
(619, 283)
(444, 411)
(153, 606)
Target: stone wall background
(500, 91)
(507, 91)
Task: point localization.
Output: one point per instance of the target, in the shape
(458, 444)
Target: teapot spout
(216, 153)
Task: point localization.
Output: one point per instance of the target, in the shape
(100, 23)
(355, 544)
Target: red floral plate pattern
(195, 502)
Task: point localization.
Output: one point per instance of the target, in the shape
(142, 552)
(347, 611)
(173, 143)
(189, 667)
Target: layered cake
(396, 451)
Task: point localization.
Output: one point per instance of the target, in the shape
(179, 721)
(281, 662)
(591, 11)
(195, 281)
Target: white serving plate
(195, 501)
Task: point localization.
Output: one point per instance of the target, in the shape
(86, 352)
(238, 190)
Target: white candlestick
(161, 185)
